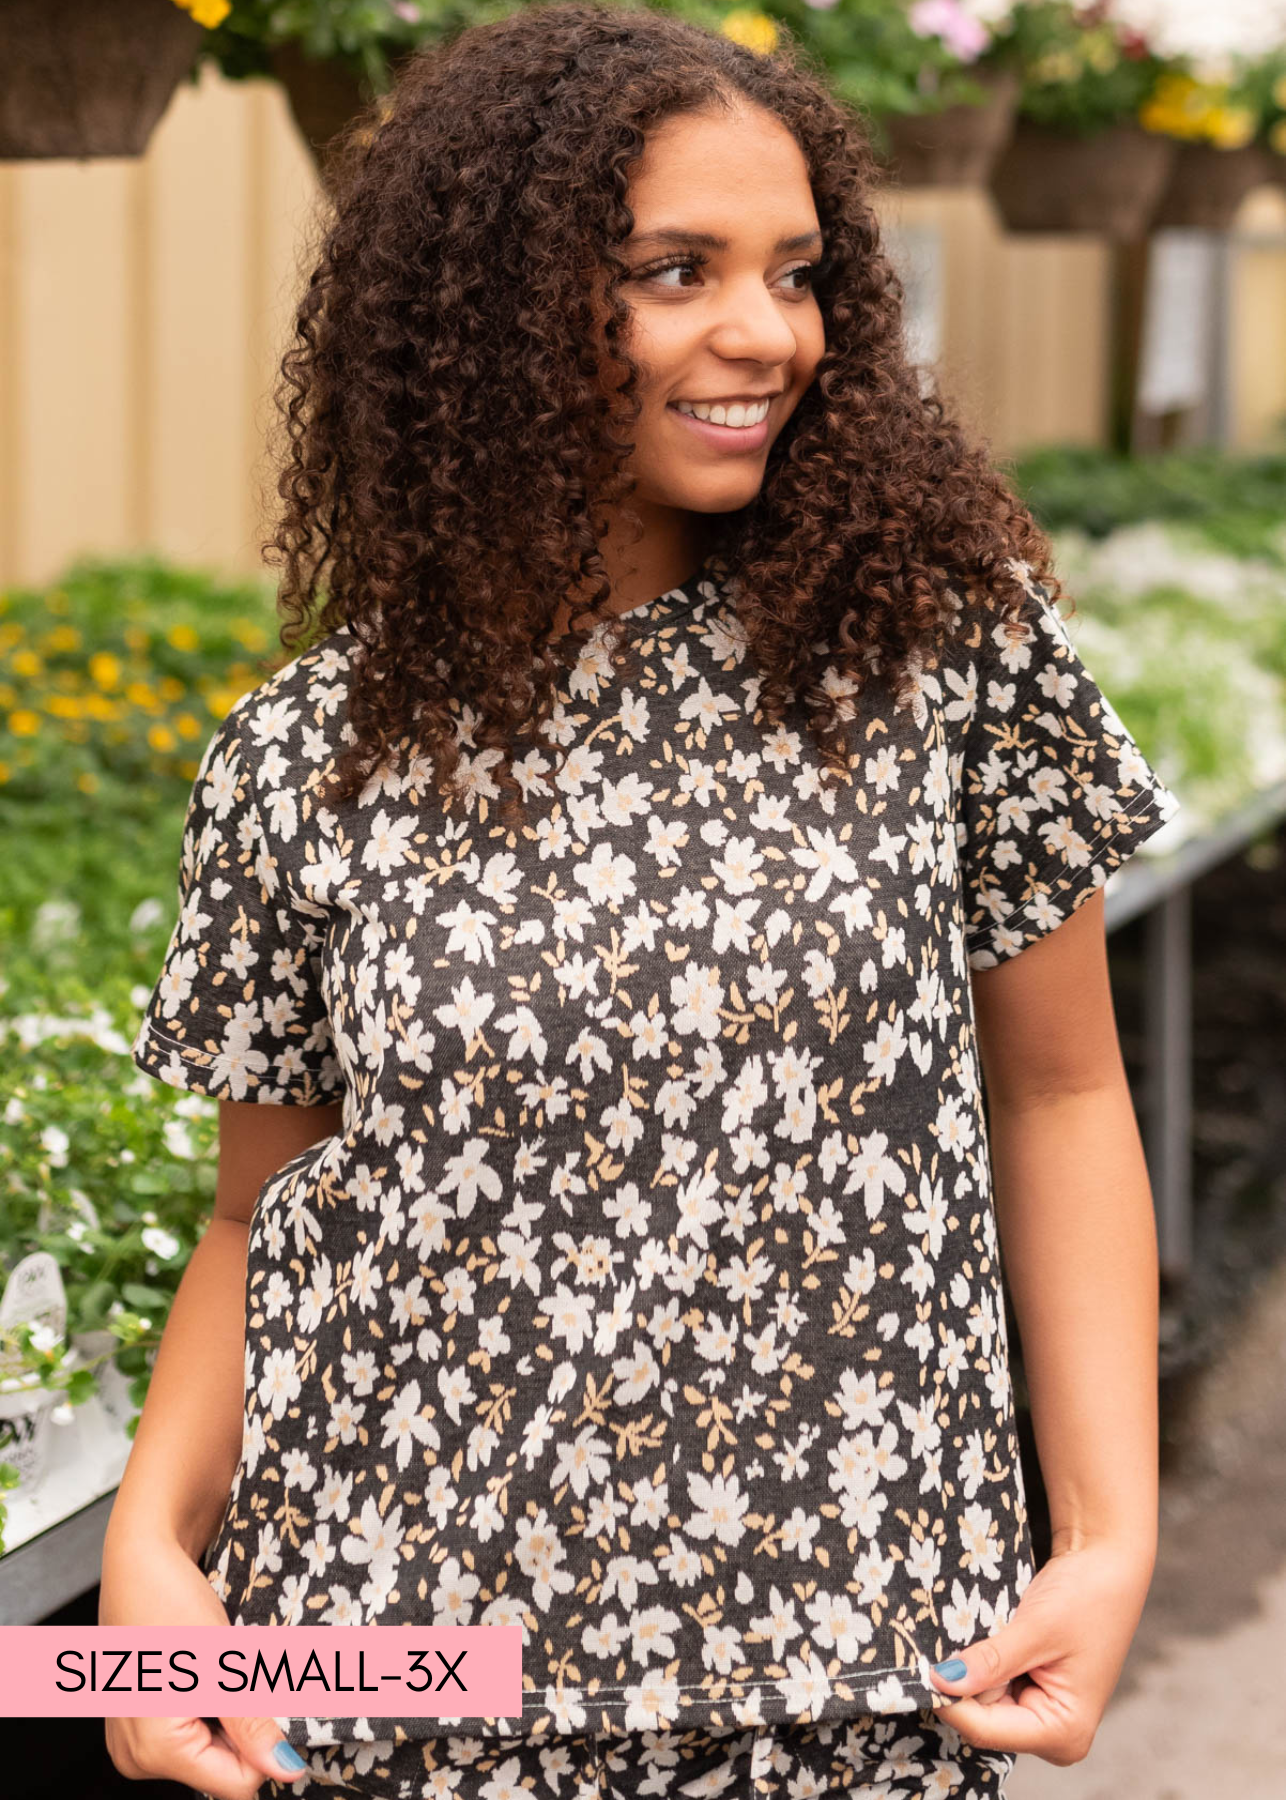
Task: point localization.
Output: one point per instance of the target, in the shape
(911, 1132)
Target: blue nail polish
(288, 1756)
(952, 1669)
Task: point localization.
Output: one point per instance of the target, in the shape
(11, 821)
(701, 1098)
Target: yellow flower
(169, 687)
(24, 722)
(87, 781)
(62, 637)
(1174, 89)
(220, 700)
(160, 737)
(183, 637)
(249, 635)
(104, 668)
(1277, 137)
(25, 662)
(187, 725)
(98, 706)
(138, 693)
(206, 12)
(63, 706)
(748, 26)
(1231, 127)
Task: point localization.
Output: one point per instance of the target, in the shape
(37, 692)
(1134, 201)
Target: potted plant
(952, 79)
(1219, 109)
(81, 78)
(335, 59)
(1080, 157)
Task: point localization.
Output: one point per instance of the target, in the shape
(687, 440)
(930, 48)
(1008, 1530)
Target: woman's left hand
(1041, 1682)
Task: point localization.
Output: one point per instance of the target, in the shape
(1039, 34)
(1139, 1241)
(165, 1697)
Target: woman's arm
(1078, 1241)
(187, 1446)
(1077, 1229)
(182, 1464)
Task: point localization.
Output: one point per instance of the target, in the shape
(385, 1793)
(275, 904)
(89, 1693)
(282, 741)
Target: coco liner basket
(956, 147)
(1207, 185)
(1109, 182)
(89, 77)
(324, 94)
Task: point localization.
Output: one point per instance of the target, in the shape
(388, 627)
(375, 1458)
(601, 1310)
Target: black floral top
(648, 1297)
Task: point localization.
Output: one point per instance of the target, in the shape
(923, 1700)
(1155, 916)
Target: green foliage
(1234, 501)
(115, 676)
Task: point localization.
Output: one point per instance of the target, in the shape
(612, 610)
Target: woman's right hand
(155, 1582)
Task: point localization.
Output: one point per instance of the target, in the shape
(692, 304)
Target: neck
(639, 572)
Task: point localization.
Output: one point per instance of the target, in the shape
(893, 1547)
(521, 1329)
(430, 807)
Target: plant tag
(34, 1292)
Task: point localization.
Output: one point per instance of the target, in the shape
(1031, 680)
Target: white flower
(55, 921)
(177, 1140)
(161, 1242)
(1211, 37)
(55, 1140)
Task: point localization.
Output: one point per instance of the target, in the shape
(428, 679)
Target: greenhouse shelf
(55, 1534)
(1160, 888)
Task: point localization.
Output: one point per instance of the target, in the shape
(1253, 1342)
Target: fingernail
(952, 1669)
(288, 1756)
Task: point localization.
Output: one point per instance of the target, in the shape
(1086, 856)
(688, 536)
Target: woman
(595, 939)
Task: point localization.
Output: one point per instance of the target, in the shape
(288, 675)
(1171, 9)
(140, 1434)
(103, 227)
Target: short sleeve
(237, 1010)
(1054, 792)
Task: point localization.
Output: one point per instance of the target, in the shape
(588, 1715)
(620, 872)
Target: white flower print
(647, 1294)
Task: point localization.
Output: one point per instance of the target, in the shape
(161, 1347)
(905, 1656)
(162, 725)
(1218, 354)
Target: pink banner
(268, 1671)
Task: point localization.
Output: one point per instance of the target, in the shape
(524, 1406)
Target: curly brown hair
(451, 440)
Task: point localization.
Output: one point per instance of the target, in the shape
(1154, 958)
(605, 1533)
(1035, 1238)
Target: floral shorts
(903, 1756)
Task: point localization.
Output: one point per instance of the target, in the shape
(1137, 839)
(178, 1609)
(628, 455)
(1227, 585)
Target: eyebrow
(708, 241)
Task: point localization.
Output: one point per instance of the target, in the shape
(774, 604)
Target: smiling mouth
(758, 409)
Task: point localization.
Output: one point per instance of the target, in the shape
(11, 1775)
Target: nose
(752, 326)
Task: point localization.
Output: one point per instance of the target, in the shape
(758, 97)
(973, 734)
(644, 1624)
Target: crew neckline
(684, 595)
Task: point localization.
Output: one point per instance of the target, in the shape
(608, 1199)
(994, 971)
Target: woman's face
(719, 289)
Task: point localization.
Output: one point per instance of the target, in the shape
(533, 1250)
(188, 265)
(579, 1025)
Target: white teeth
(737, 414)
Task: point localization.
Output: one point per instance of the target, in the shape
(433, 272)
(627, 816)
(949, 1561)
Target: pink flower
(964, 36)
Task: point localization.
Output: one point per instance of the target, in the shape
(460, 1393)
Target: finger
(195, 1752)
(262, 1747)
(1030, 1723)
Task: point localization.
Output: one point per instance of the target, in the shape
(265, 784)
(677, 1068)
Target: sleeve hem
(1132, 826)
(188, 1060)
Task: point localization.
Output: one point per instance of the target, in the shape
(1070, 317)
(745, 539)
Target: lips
(725, 438)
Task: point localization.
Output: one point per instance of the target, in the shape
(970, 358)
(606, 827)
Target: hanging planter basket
(1207, 186)
(1047, 180)
(956, 147)
(1275, 167)
(89, 77)
(324, 96)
